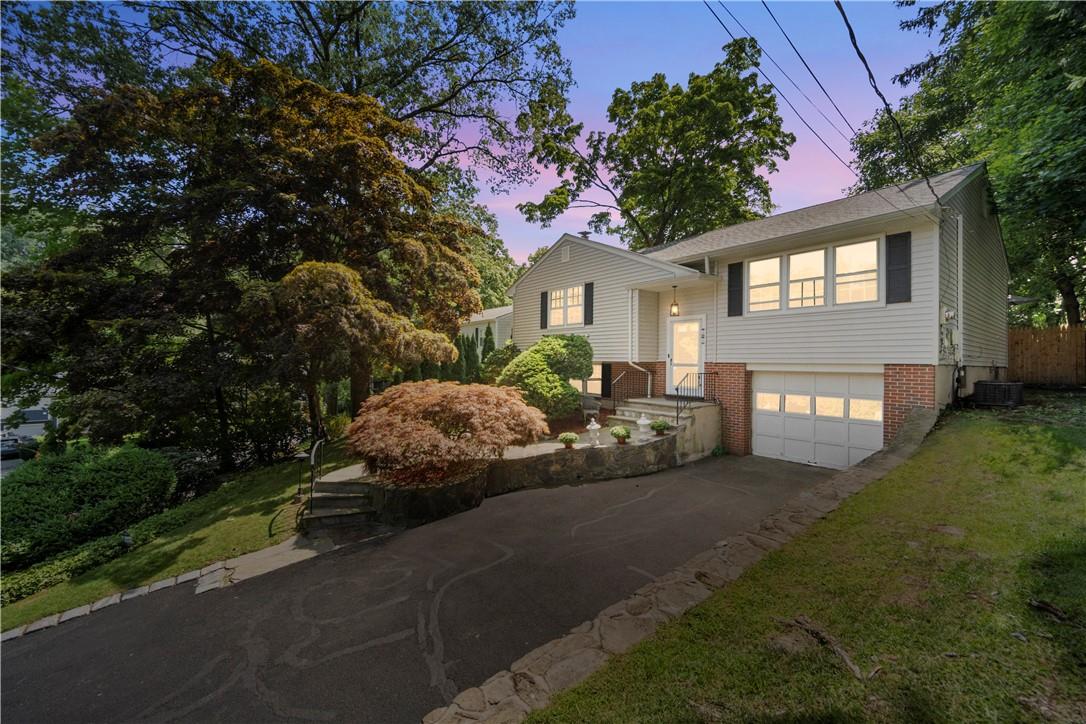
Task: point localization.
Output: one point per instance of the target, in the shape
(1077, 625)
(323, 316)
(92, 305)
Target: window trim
(880, 271)
(830, 279)
(748, 286)
(789, 281)
(565, 307)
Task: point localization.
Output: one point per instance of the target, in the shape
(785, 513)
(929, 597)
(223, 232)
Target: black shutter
(542, 310)
(899, 257)
(605, 383)
(735, 289)
(588, 289)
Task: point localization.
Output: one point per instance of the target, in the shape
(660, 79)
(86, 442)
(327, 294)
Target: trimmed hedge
(20, 584)
(541, 387)
(498, 360)
(58, 501)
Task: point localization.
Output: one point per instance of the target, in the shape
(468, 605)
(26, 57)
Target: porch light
(674, 304)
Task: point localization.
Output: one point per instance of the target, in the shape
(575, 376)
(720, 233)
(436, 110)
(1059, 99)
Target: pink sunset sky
(613, 44)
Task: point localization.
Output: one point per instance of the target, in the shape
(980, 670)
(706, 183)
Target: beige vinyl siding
(877, 333)
(694, 300)
(503, 328)
(985, 278)
(648, 323)
(611, 273)
(948, 280)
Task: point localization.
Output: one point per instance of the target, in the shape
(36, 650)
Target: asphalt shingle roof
(904, 197)
(490, 314)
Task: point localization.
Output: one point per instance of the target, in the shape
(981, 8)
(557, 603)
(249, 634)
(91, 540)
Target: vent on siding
(565, 253)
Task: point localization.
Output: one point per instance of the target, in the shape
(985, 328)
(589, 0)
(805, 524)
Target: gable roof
(896, 200)
(564, 239)
(489, 315)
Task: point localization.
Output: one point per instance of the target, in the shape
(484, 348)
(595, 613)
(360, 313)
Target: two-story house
(816, 330)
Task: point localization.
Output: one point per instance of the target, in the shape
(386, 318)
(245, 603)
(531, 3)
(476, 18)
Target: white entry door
(686, 344)
(831, 420)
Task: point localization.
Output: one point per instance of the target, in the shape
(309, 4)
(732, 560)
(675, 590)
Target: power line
(799, 115)
(785, 73)
(808, 67)
(886, 104)
(778, 91)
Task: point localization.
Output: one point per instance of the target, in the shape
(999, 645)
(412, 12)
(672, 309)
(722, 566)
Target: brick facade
(731, 387)
(905, 387)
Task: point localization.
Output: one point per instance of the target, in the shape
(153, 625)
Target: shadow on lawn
(131, 570)
(1056, 585)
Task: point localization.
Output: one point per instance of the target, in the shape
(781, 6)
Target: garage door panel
(831, 456)
(799, 383)
(765, 424)
(798, 428)
(865, 436)
(865, 386)
(767, 446)
(799, 450)
(831, 431)
(806, 417)
(831, 384)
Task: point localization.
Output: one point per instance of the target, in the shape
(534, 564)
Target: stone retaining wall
(413, 506)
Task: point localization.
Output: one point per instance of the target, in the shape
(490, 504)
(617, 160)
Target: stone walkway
(531, 681)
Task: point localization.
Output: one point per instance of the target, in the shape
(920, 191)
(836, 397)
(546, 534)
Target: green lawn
(925, 579)
(251, 511)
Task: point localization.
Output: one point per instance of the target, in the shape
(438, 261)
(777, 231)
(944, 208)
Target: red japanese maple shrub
(429, 433)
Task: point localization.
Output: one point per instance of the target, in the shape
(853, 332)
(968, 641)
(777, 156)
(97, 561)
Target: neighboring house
(816, 330)
(499, 319)
(34, 419)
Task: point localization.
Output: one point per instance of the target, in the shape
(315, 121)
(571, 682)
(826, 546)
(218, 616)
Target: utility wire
(808, 67)
(784, 98)
(886, 104)
(785, 73)
(754, 61)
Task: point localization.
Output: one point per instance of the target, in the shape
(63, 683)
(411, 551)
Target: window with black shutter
(589, 289)
(899, 268)
(543, 307)
(735, 289)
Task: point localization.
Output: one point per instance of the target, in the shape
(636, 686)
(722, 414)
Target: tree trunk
(361, 377)
(225, 449)
(331, 399)
(313, 399)
(1071, 307)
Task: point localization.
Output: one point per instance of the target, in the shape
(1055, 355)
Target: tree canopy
(199, 193)
(680, 161)
(1007, 86)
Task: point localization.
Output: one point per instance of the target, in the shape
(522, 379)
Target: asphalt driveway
(386, 632)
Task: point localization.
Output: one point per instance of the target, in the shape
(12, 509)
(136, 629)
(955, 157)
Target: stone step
(338, 488)
(661, 403)
(331, 519)
(652, 413)
(631, 422)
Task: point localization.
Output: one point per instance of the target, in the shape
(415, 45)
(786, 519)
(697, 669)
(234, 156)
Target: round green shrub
(59, 501)
(496, 361)
(541, 387)
(568, 355)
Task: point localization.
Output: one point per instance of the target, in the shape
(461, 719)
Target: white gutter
(630, 340)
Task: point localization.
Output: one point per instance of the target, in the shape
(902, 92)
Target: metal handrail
(690, 388)
(316, 467)
(619, 392)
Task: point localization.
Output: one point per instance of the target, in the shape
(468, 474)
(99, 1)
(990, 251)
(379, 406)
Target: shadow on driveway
(386, 632)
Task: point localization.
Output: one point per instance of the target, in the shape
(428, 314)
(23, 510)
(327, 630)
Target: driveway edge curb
(531, 681)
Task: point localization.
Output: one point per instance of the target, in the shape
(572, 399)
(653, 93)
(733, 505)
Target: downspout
(630, 339)
(959, 348)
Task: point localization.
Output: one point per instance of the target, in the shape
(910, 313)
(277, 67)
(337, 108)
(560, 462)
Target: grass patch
(251, 511)
(933, 578)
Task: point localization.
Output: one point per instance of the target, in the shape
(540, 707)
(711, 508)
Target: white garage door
(832, 420)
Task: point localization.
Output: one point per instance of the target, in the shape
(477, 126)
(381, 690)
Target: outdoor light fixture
(674, 303)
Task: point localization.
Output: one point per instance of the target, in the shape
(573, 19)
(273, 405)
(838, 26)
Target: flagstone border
(531, 681)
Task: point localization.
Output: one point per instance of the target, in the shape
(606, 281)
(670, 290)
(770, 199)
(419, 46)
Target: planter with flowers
(568, 438)
(621, 433)
(660, 426)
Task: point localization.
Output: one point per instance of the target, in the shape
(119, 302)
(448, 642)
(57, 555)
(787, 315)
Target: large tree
(197, 193)
(679, 161)
(1007, 86)
(463, 72)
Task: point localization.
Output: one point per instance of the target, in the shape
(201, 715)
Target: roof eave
(929, 212)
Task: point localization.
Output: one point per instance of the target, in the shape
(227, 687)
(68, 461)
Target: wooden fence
(1053, 356)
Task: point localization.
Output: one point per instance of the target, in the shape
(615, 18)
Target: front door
(685, 359)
